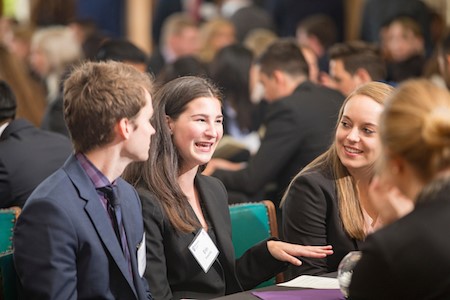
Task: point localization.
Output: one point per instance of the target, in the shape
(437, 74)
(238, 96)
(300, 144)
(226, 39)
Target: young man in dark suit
(28, 154)
(80, 234)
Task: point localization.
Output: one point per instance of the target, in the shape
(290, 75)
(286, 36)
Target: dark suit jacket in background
(156, 63)
(28, 155)
(298, 129)
(288, 13)
(172, 271)
(311, 217)
(408, 259)
(65, 246)
(53, 119)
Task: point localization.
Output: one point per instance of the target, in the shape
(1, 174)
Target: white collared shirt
(3, 127)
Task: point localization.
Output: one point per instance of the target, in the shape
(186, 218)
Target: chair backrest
(250, 224)
(8, 217)
(8, 277)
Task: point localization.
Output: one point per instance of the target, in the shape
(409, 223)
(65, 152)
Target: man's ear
(124, 128)
(278, 76)
(362, 76)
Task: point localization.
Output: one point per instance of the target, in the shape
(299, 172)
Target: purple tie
(115, 214)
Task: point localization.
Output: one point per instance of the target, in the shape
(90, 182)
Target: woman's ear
(169, 122)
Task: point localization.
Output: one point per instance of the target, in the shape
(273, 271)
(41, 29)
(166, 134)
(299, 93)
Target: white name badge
(142, 257)
(204, 250)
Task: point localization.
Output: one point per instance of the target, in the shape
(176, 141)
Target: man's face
(187, 42)
(344, 81)
(270, 86)
(141, 132)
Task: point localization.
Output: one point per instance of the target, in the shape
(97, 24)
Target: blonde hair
(209, 31)
(175, 24)
(347, 192)
(58, 44)
(61, 49)
(415, 125)
(259, 39)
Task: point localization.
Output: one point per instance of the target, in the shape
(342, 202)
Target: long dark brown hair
(160, 172)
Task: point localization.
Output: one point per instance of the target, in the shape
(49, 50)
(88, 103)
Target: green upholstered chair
(8, 277)
(8, 218)
(250, 224)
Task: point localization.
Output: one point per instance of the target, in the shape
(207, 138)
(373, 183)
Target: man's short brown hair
(96, 96)
(360, 55)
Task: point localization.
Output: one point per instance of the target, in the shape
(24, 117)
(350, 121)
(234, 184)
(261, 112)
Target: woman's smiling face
(358, 144)
(197, 131)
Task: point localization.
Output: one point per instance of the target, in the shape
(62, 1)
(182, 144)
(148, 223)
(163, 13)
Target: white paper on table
(313, 282)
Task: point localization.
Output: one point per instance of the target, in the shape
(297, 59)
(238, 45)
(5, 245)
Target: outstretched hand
(289, 252)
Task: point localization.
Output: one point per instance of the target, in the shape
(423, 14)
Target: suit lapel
(128, 219)
(98, 216)
(217, 208)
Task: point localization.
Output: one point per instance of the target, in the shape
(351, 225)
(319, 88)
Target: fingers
(314, 251)
(290, 259)
(289, 252)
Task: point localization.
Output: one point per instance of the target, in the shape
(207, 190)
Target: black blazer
(298, 129)
(408, 259)
(311, 217)
(27, 156)
(156, 63)
(173, 273)
(53, 119)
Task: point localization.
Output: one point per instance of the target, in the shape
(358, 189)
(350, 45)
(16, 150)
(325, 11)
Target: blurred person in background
(400, 260)
(179, 37)
(29, 94)
(246, 16)
(231, 71)
(214, 35)
(352, 64)
(188, 65)
(404, 48)
(28, 154)
(319, 33)
(53, 50)
(124, 51)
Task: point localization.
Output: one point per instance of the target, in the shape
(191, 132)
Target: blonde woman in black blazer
(325, 203)
(178, 203)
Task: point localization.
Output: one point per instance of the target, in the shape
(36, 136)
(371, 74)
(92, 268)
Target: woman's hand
(289, 252)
